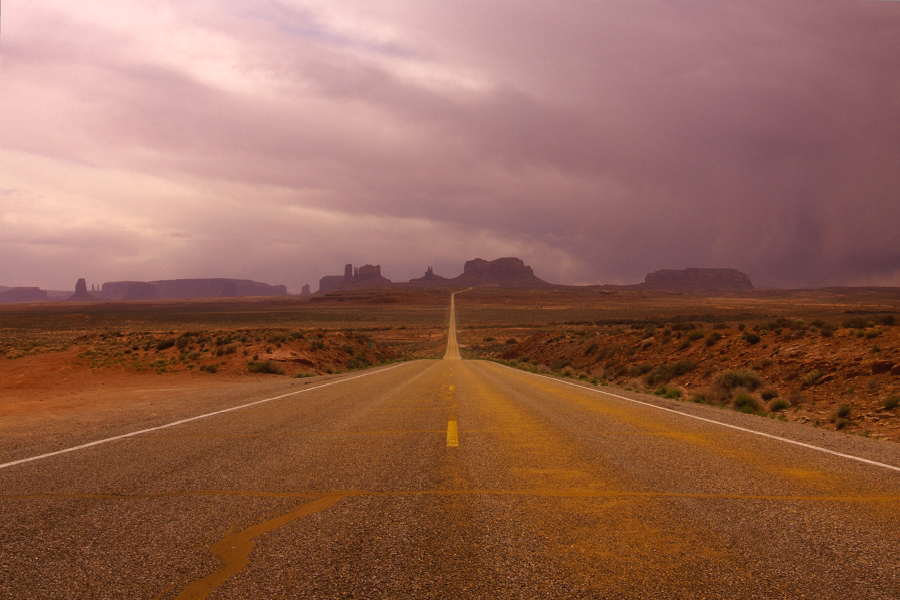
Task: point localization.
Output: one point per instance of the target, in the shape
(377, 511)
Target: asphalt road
(447, 479)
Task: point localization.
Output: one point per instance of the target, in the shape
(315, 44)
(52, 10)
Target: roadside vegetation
(826, 372)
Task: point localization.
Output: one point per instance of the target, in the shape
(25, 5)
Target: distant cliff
(23, 294)
(696, 280)
(171, 289)
(508, 272)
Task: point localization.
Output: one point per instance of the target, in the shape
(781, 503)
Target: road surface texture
(446, 479)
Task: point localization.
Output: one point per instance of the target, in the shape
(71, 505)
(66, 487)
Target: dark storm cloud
(597, 140)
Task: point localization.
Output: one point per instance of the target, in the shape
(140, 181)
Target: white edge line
(188, 420)
(678, 412)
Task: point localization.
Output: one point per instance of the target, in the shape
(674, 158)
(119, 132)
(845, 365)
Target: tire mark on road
(234, 549)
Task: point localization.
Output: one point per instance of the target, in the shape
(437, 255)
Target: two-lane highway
(452, 478)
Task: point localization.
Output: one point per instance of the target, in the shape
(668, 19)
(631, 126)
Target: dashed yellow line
(452, 435)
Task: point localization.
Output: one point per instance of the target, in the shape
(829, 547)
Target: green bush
(750, 338)
(812, 377)
(512, 341)
(265, 366)
(769, 394)
(745, 402)
(696, 334)
(668, 392)
(728, 381)
(490, 338)
(209, 368)
(663, 373)
(843, 411)
(778, 405)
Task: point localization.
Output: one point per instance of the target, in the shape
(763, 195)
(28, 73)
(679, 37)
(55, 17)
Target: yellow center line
(452, 435)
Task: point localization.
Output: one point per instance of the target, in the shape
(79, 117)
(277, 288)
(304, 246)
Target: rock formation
(23, 294)
(354, 278)
(330, 282)
(696, 280)
(304, 291)
(188, 288)
(506, 272)
(430, 280)
(81, 294)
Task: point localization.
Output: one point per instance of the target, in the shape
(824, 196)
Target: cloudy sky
(598, 140)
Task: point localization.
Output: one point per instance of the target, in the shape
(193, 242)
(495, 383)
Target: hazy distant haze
(597, 140)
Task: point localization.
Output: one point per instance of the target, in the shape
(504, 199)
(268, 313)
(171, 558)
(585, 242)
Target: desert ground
(828, 358)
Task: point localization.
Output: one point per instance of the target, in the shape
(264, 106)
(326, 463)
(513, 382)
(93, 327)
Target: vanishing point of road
(447, 479)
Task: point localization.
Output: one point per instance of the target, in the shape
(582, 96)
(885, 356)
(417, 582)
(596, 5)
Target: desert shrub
(668, 392)
(558, 365)
(683, 327)
(348, 349)
(490, 338)
(713, 337)
(359, 362)
(663, 373)
(744, 401)
(209, 368)
(796, 398)
(827, 330)
(888, 320)
(769, 394)
(696, 334)
(265, 366)
(855, 323)
(843, 411)
(165, 344)
(590, 349)
(891, 402)
(638, 370)
(279, 337)
(512, 341)
(872, 333)
(183, 341)
(728, 381)
(750, 338)
(840, 423)
(812, 377)
(779, 404)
